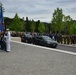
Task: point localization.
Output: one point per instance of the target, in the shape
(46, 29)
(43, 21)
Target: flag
(1, 20)
(1, 15)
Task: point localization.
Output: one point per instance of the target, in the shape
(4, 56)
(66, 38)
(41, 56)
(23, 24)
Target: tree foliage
(68, 22)
(32, 26)
(57, 20)
(37, 25)
(41, 28)
(73, 28)
(28, 25)
(17, 24)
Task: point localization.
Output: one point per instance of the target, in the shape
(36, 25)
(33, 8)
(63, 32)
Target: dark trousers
(3, 45)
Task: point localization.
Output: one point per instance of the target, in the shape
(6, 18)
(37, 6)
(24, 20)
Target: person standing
(7, 36)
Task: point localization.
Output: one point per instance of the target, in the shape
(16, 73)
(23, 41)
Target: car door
(40, 41)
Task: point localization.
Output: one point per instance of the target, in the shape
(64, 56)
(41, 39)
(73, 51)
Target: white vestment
(8, 41)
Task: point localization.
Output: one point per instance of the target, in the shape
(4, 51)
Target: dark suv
(45, 41)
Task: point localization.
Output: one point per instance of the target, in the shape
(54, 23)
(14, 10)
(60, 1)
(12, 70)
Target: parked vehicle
(45, 41)
(27, 38)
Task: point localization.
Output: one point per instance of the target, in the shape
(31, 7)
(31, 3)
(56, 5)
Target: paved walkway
(29, 60)
(16, 39)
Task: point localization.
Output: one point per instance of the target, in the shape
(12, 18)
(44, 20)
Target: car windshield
(47, 38)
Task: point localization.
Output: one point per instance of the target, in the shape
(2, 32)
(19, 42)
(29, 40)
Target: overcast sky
(38, 9)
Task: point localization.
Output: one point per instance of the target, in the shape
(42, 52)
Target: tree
(8, 22)
(23, 24)
(17, 24)
(37, 24)
(57, 20)
(28, 24)
(73, 28)
(68, 22)
(32, 26)
(41, 28)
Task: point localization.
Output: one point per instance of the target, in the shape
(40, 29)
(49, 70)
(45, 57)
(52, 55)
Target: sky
(38, 9)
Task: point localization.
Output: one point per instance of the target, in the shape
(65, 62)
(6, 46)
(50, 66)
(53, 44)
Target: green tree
(68, 22)
(73, 28)
(32, 27)
(23, 24)
(17, 24)
(8, 22)
(47, 26)
(37, 24)
(41, 28)
(57, 20)
(28, 25)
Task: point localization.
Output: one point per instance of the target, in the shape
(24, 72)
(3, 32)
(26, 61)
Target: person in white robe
(7, 36)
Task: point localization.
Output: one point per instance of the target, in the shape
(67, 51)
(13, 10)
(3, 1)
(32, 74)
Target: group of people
(5, 40)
